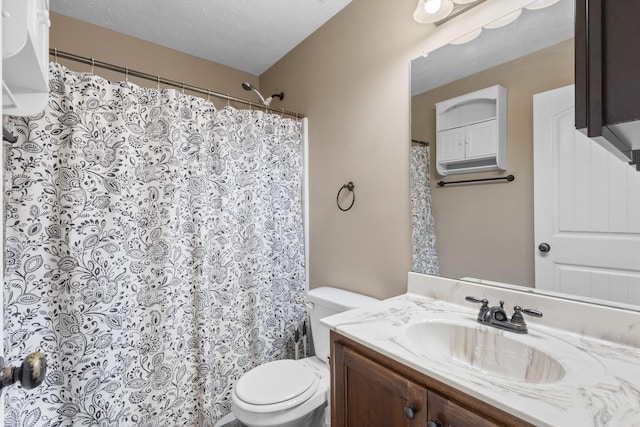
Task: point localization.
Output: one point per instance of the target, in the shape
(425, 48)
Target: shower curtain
(423, 238)
(154, 253)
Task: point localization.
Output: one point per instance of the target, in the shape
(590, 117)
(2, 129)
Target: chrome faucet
(497, 317)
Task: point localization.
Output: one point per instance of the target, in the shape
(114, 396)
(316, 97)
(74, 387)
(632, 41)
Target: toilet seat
(275, 386)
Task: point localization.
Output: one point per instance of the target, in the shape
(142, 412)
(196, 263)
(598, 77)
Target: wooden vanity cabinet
(449, 413)
(372, 390)
(372, 395)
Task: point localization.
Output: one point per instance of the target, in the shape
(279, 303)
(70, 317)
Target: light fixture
(467, 37)
(440, 11)
(541, 4)
(504, 21)
(430, 11)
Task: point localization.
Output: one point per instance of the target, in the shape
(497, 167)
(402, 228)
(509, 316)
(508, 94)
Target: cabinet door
(607, 58)
(451, 414)
(366, 394)
(482, 139)
(450, 145)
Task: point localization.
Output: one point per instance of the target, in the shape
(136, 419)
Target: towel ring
(349, 187)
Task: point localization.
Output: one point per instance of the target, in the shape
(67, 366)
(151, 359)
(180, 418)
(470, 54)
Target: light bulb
(432, 6)
(441, 9)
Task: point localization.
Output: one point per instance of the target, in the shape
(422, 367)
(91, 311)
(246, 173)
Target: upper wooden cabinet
(608, 74)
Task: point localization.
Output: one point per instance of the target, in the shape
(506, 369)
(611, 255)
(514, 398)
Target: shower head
(267, 102)
(249, 86)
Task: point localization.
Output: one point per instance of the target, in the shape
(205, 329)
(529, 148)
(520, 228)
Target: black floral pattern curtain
(424, 257)
(154, 253)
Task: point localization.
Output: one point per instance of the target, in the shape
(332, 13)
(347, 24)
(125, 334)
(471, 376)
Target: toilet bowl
(295, 393)
(283, 393)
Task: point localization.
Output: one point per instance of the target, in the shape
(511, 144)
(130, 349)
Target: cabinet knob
(410, 412)
(434, 423)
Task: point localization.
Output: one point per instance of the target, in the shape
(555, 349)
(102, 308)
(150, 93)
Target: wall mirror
(486, 231)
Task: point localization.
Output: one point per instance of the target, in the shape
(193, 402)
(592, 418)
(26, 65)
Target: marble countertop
(601, 386)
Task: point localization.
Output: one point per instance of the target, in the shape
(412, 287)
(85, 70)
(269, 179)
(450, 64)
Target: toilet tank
(326, 301)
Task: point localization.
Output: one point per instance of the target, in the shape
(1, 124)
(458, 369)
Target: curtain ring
(349, 187)
(228, 100)
(126, 74)
(158, 82)
(93, 64)
(208, 95)
(183, 88)
(282, 114)
(55, 53)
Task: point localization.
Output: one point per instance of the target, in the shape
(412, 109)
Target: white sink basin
(492, 351)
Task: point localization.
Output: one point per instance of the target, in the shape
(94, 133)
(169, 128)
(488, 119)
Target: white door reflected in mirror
(587, 212)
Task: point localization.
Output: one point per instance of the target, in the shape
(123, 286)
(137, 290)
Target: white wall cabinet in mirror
(472, 132)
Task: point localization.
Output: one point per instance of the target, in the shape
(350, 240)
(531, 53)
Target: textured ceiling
(249, 35)
(532, 31)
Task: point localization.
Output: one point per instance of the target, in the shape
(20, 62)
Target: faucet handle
(483, 308)
(517, 314)
(483, 301)
(532, 312)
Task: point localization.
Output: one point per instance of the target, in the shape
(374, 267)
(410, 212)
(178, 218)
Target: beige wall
(486, 230)
(351, 77)
(80, 38)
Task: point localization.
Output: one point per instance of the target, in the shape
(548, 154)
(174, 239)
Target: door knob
(30, 374)
(544, 247)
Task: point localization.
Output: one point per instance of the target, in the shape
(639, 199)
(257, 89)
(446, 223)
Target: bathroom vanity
(422, 359)
(374, 390)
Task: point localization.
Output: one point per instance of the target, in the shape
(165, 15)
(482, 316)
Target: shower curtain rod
(180, 85)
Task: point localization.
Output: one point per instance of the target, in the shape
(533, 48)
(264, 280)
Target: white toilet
(287, 393)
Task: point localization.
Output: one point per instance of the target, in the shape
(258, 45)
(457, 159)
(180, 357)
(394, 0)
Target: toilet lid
(274, 382)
